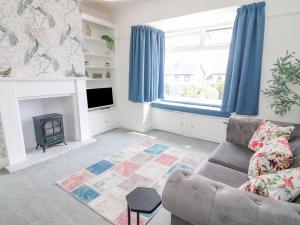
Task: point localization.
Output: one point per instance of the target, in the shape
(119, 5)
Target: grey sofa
(212, 197)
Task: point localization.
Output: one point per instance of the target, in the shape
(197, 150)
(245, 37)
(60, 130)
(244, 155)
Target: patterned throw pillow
(283, 185)
(273, 156)
(267, 131)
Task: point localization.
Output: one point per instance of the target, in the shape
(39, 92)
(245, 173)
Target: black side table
(142, 200)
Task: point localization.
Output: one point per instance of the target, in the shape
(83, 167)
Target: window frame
(202, 47)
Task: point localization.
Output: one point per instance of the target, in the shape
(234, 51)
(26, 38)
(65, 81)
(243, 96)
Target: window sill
(197, 109)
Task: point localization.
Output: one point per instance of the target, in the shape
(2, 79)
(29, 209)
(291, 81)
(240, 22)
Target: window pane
(218, 36)
(183, 41)
(196, 76)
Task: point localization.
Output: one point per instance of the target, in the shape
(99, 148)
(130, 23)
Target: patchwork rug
(104, 185)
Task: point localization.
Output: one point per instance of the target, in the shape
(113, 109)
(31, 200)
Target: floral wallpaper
(41, 38)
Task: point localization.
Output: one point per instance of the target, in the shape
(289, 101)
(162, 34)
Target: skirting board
(137, 128)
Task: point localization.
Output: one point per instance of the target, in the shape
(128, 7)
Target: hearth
(49, 130)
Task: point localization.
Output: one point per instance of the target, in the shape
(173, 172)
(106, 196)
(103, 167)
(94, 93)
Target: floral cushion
(267, 131)
(283, 185)
(273, 156)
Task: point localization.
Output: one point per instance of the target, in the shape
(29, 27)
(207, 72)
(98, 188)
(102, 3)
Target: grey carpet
(30, 196)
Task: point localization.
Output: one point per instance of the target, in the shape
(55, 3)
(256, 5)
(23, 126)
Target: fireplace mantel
(14, 90)
(41, 79)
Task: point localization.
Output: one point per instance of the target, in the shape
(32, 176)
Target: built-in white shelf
(94, 39)
(98, 67)
(99, 79)
(99, 55)
(41, 79)
(105, 108)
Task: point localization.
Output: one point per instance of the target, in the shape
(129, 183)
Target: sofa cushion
(267, 131)
(296, 155)
(240, 130)
(296, 133)
(233, 156)
(295, 143)
(274, 156)
(223, 174)
(283, 185)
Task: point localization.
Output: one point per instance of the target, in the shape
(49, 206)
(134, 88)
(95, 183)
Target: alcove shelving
(101, 70)
(100, 62)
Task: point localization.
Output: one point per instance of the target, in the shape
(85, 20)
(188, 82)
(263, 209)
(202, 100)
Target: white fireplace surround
(13, 91)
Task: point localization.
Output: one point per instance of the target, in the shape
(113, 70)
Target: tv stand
(103, 120)
(104, 108)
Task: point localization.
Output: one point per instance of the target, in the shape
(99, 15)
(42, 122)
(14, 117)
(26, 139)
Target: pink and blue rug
(104, 185)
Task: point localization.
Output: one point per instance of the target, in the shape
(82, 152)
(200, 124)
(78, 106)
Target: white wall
(28, 109)
(281, 34)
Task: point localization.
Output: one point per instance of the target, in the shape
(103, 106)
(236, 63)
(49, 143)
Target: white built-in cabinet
(191, 125)
(168, 121)
(102, 120)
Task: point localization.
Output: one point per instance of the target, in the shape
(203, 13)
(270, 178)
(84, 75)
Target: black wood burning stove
(49, 130)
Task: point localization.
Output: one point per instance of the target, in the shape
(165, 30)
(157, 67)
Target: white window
(196, 62)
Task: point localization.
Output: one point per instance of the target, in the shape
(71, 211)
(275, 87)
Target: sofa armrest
(202, 201)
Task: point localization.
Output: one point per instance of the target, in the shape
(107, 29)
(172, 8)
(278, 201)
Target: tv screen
(99, 97)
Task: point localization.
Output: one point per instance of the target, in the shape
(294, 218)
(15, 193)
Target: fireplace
(49, 130)
(25, 99)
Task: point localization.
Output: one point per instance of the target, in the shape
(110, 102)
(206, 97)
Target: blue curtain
(242, 84)
(146, 67)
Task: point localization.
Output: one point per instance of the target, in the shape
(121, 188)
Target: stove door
(57, 126)
(48, 128)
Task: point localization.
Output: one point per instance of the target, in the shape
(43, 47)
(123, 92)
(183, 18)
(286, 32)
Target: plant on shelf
(285, 82)
(110, 43)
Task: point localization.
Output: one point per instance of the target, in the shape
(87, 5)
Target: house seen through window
(196, 64)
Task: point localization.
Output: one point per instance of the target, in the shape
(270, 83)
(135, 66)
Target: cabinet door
(169, 121)
(208, 128)
(105, 120)
(112, 119)
(100, 122)
(92, 121)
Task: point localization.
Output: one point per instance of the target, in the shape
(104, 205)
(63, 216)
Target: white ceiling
(111, 5)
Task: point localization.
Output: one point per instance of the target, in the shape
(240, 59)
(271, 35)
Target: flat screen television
(99, 97)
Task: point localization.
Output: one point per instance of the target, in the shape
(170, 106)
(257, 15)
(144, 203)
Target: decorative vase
(108, 52)
(88, 30)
